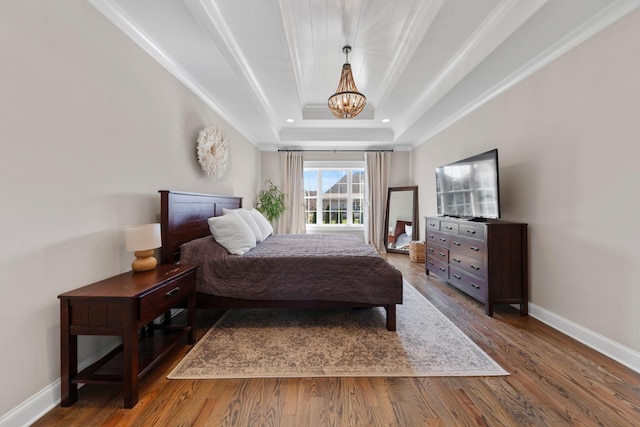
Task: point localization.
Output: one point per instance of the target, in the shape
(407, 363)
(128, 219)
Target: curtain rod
(338, 151)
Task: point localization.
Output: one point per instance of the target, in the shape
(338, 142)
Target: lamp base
(144, 261)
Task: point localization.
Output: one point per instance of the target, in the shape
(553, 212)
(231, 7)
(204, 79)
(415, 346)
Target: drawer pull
(443, 239)
(430, 249)
(172, 292)
(431, 236)
(457, 277)
(471, 231)
(474, 285)
(430, 262)
(456, 243)
(473, 248)
(448, 228)
(475, 267)
(442, 254)
(432, 224)
(455, 259)
(443, 269)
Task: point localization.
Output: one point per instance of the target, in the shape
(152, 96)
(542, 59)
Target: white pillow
(248, 218)
(408, 229)
(233, 233)
(265, 226)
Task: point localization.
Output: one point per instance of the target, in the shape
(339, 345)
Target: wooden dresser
(487, 260)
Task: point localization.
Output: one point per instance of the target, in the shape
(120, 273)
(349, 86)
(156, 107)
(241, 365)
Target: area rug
(268, 343)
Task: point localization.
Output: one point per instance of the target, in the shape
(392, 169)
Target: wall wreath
(212, 151)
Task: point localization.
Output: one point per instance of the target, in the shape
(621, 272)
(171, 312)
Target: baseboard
(43, 401)
(49, 397)
(616, 351)
(33, 408)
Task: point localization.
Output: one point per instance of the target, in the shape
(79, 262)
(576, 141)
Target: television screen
(469, 188)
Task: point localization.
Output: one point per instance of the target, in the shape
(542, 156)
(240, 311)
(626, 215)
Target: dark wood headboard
(183, 217)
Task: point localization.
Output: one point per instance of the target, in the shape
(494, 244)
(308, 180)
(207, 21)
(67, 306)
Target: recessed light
(289, 120)
(386, 120)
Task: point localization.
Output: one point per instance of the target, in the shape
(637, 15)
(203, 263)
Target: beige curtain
(377, 167)
(291, 177)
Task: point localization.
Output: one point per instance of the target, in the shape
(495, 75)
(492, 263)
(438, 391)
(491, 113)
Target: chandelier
(347, 102)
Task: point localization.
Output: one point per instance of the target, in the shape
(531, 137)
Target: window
(334, 193)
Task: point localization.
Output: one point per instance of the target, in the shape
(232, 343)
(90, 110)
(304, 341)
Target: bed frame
(184, 216)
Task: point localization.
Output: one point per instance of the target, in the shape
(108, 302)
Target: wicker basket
(416, 251)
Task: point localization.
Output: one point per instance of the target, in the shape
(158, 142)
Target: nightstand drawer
(162, 298)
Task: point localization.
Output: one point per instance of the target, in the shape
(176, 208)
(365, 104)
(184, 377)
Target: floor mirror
(401, 218)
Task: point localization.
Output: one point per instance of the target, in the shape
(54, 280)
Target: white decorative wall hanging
(212, 151)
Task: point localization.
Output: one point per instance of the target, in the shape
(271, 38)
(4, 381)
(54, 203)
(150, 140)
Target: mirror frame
(415, 232)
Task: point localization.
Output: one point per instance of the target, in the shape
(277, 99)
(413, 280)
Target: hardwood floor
(554, 381)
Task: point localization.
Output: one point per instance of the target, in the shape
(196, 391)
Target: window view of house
(334, 196)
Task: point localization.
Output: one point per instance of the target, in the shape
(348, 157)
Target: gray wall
(91, 127)
(569, 143)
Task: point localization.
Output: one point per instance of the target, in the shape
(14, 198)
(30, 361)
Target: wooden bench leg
(391, 317)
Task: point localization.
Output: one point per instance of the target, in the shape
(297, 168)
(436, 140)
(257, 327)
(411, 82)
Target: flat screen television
(469, 188)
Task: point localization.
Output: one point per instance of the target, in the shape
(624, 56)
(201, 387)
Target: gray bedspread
(296, 267)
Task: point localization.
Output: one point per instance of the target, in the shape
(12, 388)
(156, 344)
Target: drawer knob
(172, 292)
(473, 248)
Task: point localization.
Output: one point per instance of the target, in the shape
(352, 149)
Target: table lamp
(142, 240)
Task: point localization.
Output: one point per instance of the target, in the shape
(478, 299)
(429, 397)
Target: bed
(283, 271)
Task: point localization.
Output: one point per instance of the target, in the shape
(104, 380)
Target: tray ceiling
(422, 64)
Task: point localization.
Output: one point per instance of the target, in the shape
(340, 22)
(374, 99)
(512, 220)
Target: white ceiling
(422, 64)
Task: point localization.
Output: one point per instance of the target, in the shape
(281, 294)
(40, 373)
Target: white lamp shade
(142, 237)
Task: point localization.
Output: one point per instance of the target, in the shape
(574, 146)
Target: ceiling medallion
(347, 102)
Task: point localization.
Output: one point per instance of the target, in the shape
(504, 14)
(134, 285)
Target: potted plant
(271, 201)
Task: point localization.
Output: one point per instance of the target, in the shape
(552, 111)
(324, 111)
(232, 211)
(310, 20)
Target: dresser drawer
(441, 239)
(162, 298)
(437, 252)
(468, 283)
(433, 224)
(471, 230)
(467, 246)
(449, 227)
(438, 267)
(464, 262)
